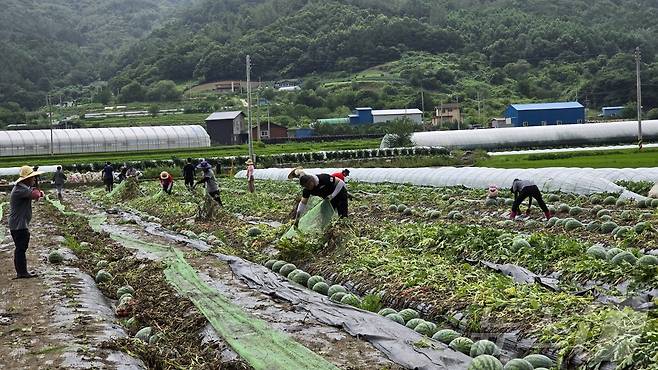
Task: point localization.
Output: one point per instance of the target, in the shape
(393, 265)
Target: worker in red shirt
(166, 181)
(341, 175)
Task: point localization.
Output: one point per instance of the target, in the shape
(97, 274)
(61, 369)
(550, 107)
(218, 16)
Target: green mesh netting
(314, 221)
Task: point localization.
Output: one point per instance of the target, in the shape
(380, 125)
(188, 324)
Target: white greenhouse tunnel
(95, 140)
(538, 136)
(582, 181)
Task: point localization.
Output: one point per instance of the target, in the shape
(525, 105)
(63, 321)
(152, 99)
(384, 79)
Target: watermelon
(126, 289)
(518, 364)
(287, 269)
(336, 289)
(411, 324)
(132, 322)
(396, 317)
(321, 287)
(594, 227)
(620, 202)
(393, 208)
(313, 280)
(553, 198)
(609, 201)
(647, 261)
(484, 347)
(595, 199)
(552, 221)
(435, 214)
(491, 202)
(539, 361)
(561, 222)
(642, 204)
(563, 208)
(596, 251)
(101, 264)
(642, 227)
(573, 225)
(518, 244)
(144, 334)
(276, 267)
(509, 202)
(646, 216)
(627, 215)
(270, 263)
(485, 362)
(612, 252)
(624, 257)
(608, 226)
(302, 278)
(351, 299)
(386, 311)
(457, 216)
(154, 339)
(596, 209)
(401, 208)
(605, 218)
(337, 297)
(292, 274)
(654, 203)
(55, 257)
(445, 197)
(408, 314)
(603, 212)
(426, 328)
(123, 296)
(531, 224)
(446, 335)
(552, 209)
(621, 232)
(407, 212)
(103, 276)
(461, 344)
(575, 211)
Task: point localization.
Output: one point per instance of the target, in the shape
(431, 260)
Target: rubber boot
(548, 215)
(512, 216)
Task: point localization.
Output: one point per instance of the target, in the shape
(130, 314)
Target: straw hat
(164, 175)
(296, 173)
(204, 165)
(249, 161)
(26, 172)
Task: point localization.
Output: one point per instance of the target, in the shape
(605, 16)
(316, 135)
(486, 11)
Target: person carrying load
(523, 189)
(324, 186)
(212, 188)
(167, 182)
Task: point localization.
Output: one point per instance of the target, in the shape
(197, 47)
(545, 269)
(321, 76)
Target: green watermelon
(484, 347)
(627, 215)
(276, 267)
(426, 328)
(302, 278)
(642, 227)
(461, 344)
(531, 224)
(509, 202)
(620, 202)
(351, 299)
(605, 218)
(594, 227)
(293, 273)
(132, 322)
(435, 214)
(647, 261)
(609, 201)
(563, 208)
(457, 216)
(407, 212)
(518, 244)
(518, 364)
(608, 226)
(485, 362)
(603, 212)
(270, 263)
(552, 221)
(287, 269)
(144, 334)
(313, 280)
(595, 199)
(596, 209)
(539, 361)
(491, 202)
(336, 297)
(646, 216)
(393, 208)
(386, 311)
(612, 252)
(102, 264)
(573, 225)
(553, 198)
(624, 257)
(446, 197)
(125, 299)
(508, 223)
(55, 257)
(446, 335)
(103, 276)
(597, 251)
(122, 297)
(408, 314)
(561, 222)
(621, 232)
(575, 211)
(396, 317)
(126, 289)
(336, 289)
(154, 339)
(411, 324)
(401, 208)
(321, 287)
(642, 204)
(654, 203)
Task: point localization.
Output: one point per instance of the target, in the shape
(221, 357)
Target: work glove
(328, 198)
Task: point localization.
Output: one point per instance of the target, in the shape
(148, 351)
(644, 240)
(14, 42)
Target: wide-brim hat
(26, 172)
(295, 173)
(249, 161)
(164, 175)
(204, 165)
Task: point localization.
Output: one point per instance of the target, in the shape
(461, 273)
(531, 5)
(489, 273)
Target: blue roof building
(543, 114)
(611, 111)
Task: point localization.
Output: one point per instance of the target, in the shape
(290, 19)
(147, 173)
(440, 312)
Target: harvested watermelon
(595, 199)
(594, 227)
(407, 212)
(461, 344)
(408, 314)
(55, 257)
(101, 264)
(563, 208)
(597, 251)
(103, 276)
(393, 208)
(254, 232)
(434, 215)
(336, 289)
(457, 216)
(603, 212)
(573, 225)
(654, 203)
(552, 221)
(321, 287)
(351, 299)
(287, 269)
(154, 339)
(132, 322)
(509, 202)
(518, 364)
(276, 267)
(553, 198)
(313, 280)
(446, 336)
(621, 232)
(575, 211)
(336, 297)
(620, 202)
(484, 347)
(426, 328)
(539, 361)
(292, 274)
(270, 263)
(411, 324)
(609, 201)
(396, 317)
(302, 278)
(485, 362)
(624, 257)
(608, 226)
(642, 227)
(647, 261)
(386, 311)
(144, 334)
(627, 215)
(126, 289)
(642, 204)
(518, 244)
(612, 252)
(401, 208)
(491, 202)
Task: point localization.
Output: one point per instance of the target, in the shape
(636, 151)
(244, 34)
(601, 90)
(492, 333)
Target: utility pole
(50, 123)
(479, 107)
(250, 143)
(258, 112)
(638, 58)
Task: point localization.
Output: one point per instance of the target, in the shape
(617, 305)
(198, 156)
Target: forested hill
(55, 43)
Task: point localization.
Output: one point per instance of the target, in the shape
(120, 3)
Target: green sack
(314, 221)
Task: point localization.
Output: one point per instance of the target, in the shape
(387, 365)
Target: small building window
(525, 124)
(559, 122)
(543, 123)
(265, 133)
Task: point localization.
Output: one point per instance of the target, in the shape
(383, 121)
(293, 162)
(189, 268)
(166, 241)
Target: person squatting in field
(20, 215)
(523, 189)
(167, 182)
(212, 188)
(324, 186)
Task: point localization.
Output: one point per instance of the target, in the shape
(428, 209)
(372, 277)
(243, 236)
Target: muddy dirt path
(57, 320)
(332, 343)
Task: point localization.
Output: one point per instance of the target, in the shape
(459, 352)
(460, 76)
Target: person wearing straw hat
(166, 181)
(296, 173)
(20, 215)
(209, 180)
(324, 186)
(250, 175)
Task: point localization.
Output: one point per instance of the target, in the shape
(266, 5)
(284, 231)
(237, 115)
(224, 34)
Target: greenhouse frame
(96, 140)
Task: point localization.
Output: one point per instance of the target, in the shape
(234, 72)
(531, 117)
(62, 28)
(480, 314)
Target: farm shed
(96, 140)
(545, 114)
(226, 127)
(368, 115)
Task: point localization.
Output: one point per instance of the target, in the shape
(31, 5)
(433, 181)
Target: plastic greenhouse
(539, 136)
(116, 139)
(568, 180)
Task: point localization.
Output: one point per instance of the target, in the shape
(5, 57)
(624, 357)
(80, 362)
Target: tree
(103, 96)
(399, 133)
(164, 90)
(133, 92)
(154, 109)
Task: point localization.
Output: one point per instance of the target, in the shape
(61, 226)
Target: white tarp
(569, 150)
(538, 136)
(569, 180)
(14, 171)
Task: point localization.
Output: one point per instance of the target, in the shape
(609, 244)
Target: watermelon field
(416, 277)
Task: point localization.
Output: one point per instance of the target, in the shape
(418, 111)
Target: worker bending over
(523, 189)
(166, 181)
(324, 186)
